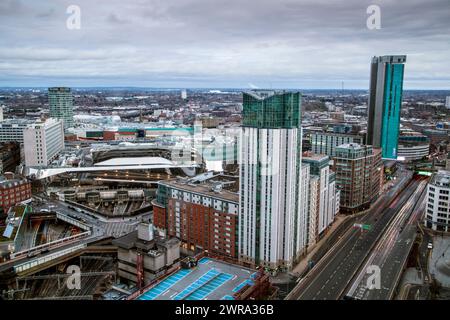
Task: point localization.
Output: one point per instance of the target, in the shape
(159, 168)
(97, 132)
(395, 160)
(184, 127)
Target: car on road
(430, 245)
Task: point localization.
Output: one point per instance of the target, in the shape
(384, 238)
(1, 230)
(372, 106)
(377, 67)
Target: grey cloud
(114, 19)
(11, 8)
(289, 41)
(46, 14)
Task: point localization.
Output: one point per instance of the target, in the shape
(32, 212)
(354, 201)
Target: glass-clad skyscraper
(60, 102)
(385, 101)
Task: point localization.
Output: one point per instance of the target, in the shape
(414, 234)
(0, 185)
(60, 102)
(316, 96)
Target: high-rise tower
(61, 105)
(385, 101)
(272, 222)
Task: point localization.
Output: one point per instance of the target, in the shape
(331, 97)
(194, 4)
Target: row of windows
(442, 191)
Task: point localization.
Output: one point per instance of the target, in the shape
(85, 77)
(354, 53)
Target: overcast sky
(221, 43)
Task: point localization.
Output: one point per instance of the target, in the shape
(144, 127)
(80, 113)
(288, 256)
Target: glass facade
(385, 101)
(392, 105)
(61, 105)
(272, 110)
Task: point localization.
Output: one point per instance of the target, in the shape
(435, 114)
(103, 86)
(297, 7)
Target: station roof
(133, 161)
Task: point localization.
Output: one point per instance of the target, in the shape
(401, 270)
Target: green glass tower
(60, 102)
(385, 101)
(271, 110)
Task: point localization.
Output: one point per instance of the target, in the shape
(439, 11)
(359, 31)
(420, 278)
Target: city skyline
(224, 150)
(311, 45)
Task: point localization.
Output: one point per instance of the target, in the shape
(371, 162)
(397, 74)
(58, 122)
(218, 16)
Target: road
(391, 252)
(331, 275)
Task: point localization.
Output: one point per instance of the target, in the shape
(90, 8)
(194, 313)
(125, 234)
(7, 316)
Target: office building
(60, 102)
(326, 142)
(447, 102)
(202, 214)
(43, 141)
(438, 203)
(12, 129)
(385, 101)
(359, 171)
(270, 229)
(413, 146)
(323, 205)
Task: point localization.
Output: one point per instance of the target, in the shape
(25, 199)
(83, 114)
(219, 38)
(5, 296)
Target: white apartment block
(303, 210)
(438, 202)
(275, 175)
(43, 141)
(334, 198)
(324, 199)
(324, 195)
(272, 229)
(314, 203)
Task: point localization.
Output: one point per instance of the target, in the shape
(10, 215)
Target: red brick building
(202, 216)
(13, 191)
(109, 135)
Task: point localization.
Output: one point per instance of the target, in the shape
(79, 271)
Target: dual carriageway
(342, 272)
